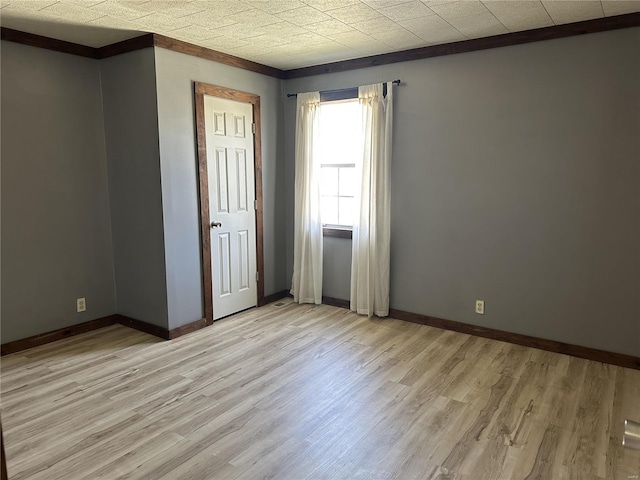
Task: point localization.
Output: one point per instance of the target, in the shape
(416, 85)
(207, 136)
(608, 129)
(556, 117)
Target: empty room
(320, 239)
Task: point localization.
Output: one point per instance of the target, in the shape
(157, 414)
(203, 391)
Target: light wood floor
(298, 392)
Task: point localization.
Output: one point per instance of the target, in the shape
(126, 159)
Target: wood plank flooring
(300, 391)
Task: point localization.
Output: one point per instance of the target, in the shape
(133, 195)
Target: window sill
(337, 232)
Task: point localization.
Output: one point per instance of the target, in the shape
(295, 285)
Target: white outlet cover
(480, 307)
(81, 305)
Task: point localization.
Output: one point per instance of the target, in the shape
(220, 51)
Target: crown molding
(208, 54)
(40, 41)
(156, 40)
(507, 39)
(137, 43)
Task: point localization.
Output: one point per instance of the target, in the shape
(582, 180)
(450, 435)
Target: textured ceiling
(295, 33)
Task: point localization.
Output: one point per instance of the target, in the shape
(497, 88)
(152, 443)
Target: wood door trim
(3, 458)
(202, 89)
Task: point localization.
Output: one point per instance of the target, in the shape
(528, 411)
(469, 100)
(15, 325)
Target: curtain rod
(395, 82)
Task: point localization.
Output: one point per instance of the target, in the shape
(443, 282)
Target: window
(339, 150)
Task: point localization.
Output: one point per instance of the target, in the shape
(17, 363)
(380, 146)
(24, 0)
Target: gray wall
(176, 73)
(56, 232)
(336, 268)
(131, 126)
(515, 179)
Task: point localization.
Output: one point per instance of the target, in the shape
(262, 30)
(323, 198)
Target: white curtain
(371, 226)
(306, 285)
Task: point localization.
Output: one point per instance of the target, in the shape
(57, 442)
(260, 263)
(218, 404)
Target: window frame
(338, 167)
(338, 231)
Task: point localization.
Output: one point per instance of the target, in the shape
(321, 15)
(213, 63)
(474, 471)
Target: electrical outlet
(480, 307)
(81, 305)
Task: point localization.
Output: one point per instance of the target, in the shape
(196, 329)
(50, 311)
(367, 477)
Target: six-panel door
(230, 166)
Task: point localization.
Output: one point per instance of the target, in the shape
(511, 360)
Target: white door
(230, 167)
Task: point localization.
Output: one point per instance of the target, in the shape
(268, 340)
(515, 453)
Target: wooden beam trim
(161, 41)
(141, 326)
(336, 302)
(161, 332)
(187, 328)
(155, 330)
(508, 39)
(40, 41)
(180, 46)
(126, 46)
(620, 359)
(613, 358)
(274, 297)
(137, 43)
(44, 338)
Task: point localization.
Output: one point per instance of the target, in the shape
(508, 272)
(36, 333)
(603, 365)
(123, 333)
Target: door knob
(215, 224)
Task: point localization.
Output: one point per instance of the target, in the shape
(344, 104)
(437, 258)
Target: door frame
(200, 90)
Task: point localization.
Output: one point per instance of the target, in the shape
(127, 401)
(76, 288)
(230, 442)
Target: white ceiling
(295, 33)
